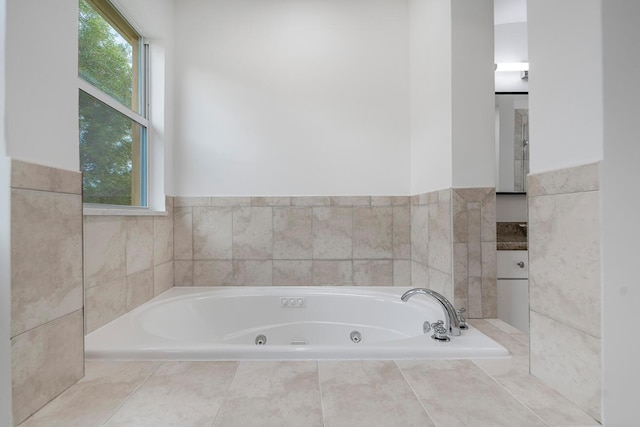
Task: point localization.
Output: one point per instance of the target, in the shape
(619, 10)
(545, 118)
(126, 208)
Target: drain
(261, 340)
(356, 337)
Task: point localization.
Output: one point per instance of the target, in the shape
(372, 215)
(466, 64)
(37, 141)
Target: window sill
(119, 211)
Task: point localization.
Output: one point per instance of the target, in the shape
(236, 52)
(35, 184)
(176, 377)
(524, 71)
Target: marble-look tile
(460, 271)
(488, 218)
(44, 362)
(253, 233)
(104, 303)
(350, 201)
(419, 233)
(292, 233)
(439, 240)
(475, 401)
(332, 233)
(564, 254)
(91, 401)
(373, 272)
(333, 273)
(253, 273)
(489, 281)
(212, 233)
(441, 282)
(231, 202)
(162, 278)
(270, 201)
(444, 196)
(373, 232)
(368, 393)
(517, 364)
(311, 201)
(414, 200)
(273, 394)
(179, 394)
(509, 330)
(390, 201)
(46, 257)
(139, 248)
(180, 202)
(570, 180)
(474, 258)
(44, 178)
(402, 232)
(401, 273)
(139, 288)
(105, 240)
(162, 239)
(293, 273)
(212, 273)
(460, 219)
(568, 360)
(474, 194)
(419, 275)
(182, 233)
(474, 311)
(182, 273)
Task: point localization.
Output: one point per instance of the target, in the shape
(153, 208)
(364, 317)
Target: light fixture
(512, 66)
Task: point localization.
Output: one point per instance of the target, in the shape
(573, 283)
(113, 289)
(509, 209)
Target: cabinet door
(513, 303)
(510, 267)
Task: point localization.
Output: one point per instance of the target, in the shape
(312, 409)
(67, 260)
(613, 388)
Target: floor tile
(368, 393)
(273, 394)
(94, 398)
(457, 393)
(178, 394)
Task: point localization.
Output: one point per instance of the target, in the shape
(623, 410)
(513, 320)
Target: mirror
(512, 141)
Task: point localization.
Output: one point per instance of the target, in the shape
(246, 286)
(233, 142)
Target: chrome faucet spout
(451, 320)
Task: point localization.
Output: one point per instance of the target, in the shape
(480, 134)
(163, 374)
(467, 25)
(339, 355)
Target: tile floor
(477, 393)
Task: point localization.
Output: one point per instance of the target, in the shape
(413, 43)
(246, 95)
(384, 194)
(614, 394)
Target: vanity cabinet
(513, 288)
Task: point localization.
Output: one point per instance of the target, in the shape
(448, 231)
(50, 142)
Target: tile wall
(564, 277)
(474, 251)
(128, 261)
(46, 284)
(431, 242)
(295, 241)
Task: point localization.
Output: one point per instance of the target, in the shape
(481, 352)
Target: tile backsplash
(295, 241)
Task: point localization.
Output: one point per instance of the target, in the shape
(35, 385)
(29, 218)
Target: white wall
(430, 76)
(565, 80)
(620, 176)
(5, 249)
(292, 98)
(473, 97)
(42, 89)
(511, 45)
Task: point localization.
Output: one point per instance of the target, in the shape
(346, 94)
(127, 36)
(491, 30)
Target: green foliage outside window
(106, 136)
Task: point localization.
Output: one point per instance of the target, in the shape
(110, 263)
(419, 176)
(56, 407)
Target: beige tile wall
(453, 247)
(293, 241)
(431, 244)
(46, 284)
(564, 283)
(127, 261)
(474, 249)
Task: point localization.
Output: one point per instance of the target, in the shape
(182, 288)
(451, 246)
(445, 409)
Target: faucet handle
(461, 319)
(439, 331)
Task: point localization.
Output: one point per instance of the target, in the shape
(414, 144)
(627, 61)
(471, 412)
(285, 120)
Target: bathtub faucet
(451, 320)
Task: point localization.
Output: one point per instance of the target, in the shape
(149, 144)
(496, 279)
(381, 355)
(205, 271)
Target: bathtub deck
(498, 392)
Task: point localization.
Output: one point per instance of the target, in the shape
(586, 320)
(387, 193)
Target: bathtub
(283, 323)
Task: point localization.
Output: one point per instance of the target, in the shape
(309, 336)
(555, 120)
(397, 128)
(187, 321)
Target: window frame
(140, 99)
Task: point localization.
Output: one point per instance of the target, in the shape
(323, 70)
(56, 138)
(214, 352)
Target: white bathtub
(223, 323)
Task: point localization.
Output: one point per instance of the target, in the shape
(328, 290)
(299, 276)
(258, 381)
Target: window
(113, 109)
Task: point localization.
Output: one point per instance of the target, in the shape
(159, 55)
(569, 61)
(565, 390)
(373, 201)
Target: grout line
(415, 394)
(510, 393)
(320, 390)
(226, 394)
(135, 390)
